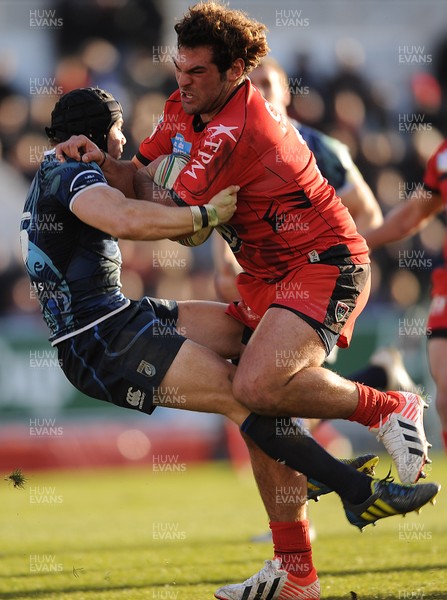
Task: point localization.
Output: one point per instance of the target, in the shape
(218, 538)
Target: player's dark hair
(87, 111)
(231, 34)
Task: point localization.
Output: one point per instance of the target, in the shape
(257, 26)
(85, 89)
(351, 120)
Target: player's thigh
(282, 345)
(199, 380)
(207, 324)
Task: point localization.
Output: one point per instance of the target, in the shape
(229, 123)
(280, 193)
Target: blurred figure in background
(406, 219)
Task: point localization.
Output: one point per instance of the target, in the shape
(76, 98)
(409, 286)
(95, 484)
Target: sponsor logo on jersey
(135, 397)
(180, 145)
(209, 149)
(220, 130)
(86, 178)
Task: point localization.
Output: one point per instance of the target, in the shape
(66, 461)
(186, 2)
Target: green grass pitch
(134, 534)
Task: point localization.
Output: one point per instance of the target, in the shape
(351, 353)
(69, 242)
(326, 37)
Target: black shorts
(124, 359)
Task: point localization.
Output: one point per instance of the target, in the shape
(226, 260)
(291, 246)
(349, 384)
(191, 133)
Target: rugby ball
(169, 169)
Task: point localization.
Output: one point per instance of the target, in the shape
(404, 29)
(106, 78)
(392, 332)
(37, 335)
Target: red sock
(374, 405)
(291, 544)
(444, 439)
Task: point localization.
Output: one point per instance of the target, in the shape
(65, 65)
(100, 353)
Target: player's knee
(256, 394)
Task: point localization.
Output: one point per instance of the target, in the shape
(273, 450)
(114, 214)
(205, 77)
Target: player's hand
(80, 148)
(225, 203)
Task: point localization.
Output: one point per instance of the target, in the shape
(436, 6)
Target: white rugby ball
(169, 169)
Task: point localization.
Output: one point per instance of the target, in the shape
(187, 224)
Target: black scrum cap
(87, 111)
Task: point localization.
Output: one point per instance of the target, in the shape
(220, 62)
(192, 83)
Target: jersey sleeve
(158, 143)
(167, 134)
(70, 179)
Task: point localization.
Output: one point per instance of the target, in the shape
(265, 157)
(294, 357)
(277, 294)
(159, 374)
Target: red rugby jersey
(435, 178)
(287, 214)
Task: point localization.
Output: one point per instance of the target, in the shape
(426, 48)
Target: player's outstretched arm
(361, 202)
(405, 219)
(107, 209)
(119, 173)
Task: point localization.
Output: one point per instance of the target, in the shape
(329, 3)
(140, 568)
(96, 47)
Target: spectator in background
(14, 187)
(129, 24)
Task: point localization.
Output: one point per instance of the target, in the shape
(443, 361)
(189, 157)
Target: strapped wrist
(212, 216)
(197, 220)
(204, 216)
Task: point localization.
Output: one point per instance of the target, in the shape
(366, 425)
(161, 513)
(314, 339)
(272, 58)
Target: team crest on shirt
(146, 369)
(341, 310)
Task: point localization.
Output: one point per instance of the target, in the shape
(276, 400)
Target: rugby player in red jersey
(406, 219)
(386, 369)
(306, 273)
(305, 267)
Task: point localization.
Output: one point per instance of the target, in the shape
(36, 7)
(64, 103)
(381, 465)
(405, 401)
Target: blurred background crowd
(373, 74)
